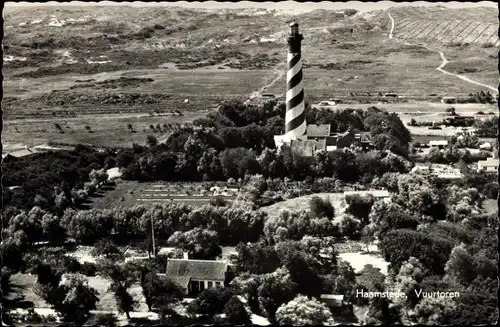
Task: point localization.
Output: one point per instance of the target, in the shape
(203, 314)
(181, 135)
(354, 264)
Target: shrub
(88, 269)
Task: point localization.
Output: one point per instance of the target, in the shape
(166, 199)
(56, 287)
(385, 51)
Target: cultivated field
(447, 26)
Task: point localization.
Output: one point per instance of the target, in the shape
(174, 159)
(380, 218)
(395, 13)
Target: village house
(489, 165)
(320, 138)
(332, 300)
(193, 276)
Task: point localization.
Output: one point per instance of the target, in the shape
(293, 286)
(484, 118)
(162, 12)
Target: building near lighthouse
(302, 138)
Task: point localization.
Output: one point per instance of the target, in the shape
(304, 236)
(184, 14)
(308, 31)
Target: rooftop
(338, 297)
(318, 130)
(489, 162)
(438, 142)
(180, 269)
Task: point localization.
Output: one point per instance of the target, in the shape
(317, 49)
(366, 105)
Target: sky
(287, 5)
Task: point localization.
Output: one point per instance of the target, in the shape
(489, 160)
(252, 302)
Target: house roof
(306, 148)
(489, 163)
(180, 269)
(438, 142)
(338, 297)
(321, 145)
(318, 130)
(19, 153)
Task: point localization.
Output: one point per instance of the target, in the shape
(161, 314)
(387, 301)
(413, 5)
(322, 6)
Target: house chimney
(185, 256)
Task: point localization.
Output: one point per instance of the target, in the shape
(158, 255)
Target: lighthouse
(295, 119)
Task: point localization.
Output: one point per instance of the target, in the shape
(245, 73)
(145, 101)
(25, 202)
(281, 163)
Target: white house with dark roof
(489, 165)
(193, 276)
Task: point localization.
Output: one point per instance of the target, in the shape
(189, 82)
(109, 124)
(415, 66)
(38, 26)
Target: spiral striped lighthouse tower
(295, 120)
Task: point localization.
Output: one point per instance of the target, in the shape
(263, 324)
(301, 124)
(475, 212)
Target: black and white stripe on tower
(295, 120)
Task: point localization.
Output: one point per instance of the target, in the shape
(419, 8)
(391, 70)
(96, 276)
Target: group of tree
(436, 237)
(210, 225)
(486, 127)
(50, 179)
(237, 140)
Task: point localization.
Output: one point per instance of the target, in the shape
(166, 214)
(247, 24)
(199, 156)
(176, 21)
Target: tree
(108, 250)
(124, 300)
(435, 310)
(399, 245)
(159, 292)
(385, 217)
(151, 141)
(303, 268)
(371, 278)
(460, 266)
(130, 127)
(211, 301)
(360, 206)
(236, 312)
(242, 225)
(411, 273)
(274, 290)
(348, 225)
(98, 177)
(58, 127)
(256, 258)
(381, 311)
(199, 243)
(303, 311)
(321, 207)
(77, 300)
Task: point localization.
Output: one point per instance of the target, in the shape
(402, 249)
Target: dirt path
(444, 61)
(279, 71)
(392, 26)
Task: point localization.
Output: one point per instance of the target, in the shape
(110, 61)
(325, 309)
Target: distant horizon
(282, 5)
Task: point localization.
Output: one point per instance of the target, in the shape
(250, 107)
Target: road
(444, 61)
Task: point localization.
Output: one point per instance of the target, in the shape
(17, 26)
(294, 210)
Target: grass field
(302, 203)
(107, 130)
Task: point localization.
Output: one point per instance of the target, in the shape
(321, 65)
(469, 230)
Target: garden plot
(194, 194)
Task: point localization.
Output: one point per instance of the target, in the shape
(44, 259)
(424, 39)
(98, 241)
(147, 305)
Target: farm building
(440, 144)
(489, 165)
(193, 276)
